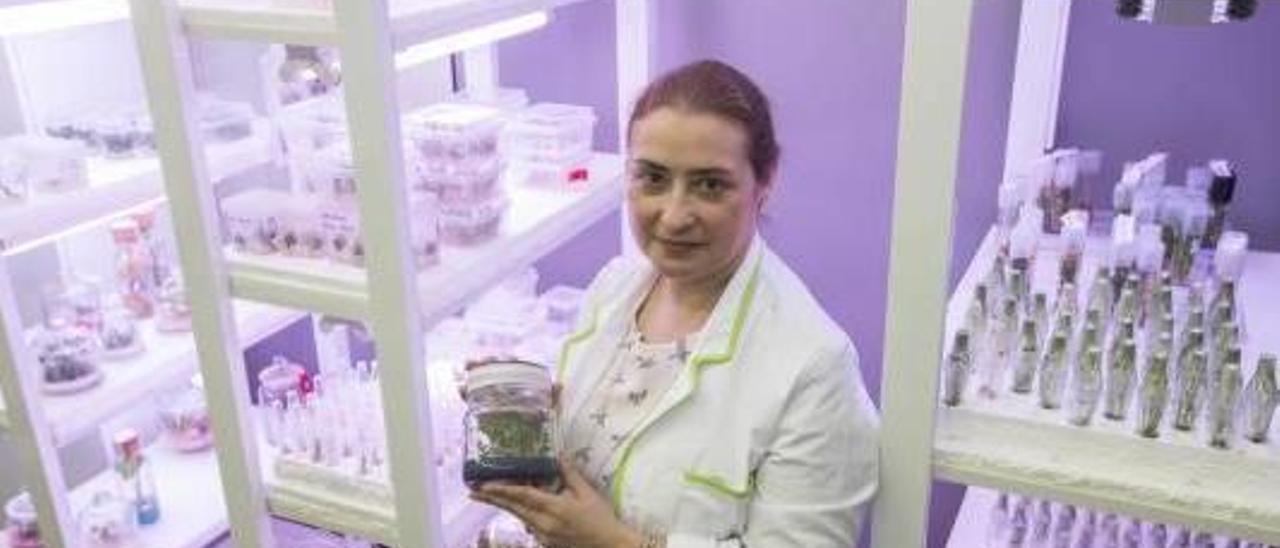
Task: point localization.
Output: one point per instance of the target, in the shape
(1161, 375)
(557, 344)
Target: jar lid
(499, 372)
(20, 508)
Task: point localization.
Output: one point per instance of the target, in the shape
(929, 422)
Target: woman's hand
(578, 516)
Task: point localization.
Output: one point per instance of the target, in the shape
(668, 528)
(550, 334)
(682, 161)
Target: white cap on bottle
(1228, 259)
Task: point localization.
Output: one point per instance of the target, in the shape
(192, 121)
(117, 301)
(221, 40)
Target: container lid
(499, 372)
(127, 442)
(20, 508)
(125, 231)
(1228, 259)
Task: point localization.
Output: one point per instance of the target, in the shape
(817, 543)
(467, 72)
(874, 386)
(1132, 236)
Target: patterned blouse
(639, 374)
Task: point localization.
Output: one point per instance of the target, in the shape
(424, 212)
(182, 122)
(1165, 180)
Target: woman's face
(693, 196)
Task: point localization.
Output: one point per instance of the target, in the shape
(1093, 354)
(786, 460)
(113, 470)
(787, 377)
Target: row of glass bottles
(334, 419)
(1130, 319)
(1017, 521)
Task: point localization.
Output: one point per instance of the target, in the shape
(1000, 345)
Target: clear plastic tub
(453, 131)
(52, 165)
(340, 224)
(253, 220)
(224, 121)
(561, 304)
(14, 183)
(472, 224)
(464, 182)
(301, 230)
(549, 133)
(509, 426)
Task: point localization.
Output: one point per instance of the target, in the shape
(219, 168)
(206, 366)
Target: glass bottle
(1109, 530)
(1100, 294)
(1042, 523)
(509, 425)
(1120, 379)
(1226, 337)
(1064, 526)
(1020, 523)
(1204, 540)
(1127, 306)
(1191, 381)
(22, 529)
(1053, 372)
(1192, 340)
(135, 269)
(1154, 395)
(135, 477)
(1260, 400)
(1132, 535)
(1040, 313)
(1024, 375)
(1002, 344)
(958, 367)
(1086, 386)
(1068, 302)
(1088, 530)
(998, 520)
(1181, 538)
(1157, 535)
(1222, 403)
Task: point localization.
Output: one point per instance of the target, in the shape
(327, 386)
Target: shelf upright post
(38, 454)
(166, 66)
(365, 42)
(635, 27)
(933, 77)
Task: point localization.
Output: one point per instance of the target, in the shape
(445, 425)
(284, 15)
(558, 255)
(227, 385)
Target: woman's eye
(710, 185)
(650, 179)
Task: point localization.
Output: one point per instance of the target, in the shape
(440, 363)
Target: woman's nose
(677, 213)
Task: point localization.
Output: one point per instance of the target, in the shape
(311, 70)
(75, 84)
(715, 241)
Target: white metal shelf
(192, 513)
(412, 21)
(120, 184)
(1012, 444)
(169, 359)
(334, 504)
(538, 221)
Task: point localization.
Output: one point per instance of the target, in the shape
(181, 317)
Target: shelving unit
(1011, 443)
(539, 220)
(397, 302)
(169, 359)
(193, 514)
(409, 23)
(116, 185)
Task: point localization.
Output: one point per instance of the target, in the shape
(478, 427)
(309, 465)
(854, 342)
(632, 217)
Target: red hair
(713, 87)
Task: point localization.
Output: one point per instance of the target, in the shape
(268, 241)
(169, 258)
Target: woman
(706, 398)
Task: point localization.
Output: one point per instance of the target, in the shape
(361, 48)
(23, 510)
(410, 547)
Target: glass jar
(108, 522)
(119, 337)
(185, 417)
(22, 530)
(173, 312)
(135, 268)
(76, 302)
(508, 425)
(68, 357)
(280, 385)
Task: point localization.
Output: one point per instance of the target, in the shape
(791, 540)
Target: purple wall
(1197, 92)
(830, 214)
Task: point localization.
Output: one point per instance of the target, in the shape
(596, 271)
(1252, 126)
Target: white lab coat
(766, 439)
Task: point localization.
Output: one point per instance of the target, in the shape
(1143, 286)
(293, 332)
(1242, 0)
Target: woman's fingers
(573, 479)
(529, 497)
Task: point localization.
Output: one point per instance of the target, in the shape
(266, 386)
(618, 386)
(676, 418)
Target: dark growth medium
(509, 425)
